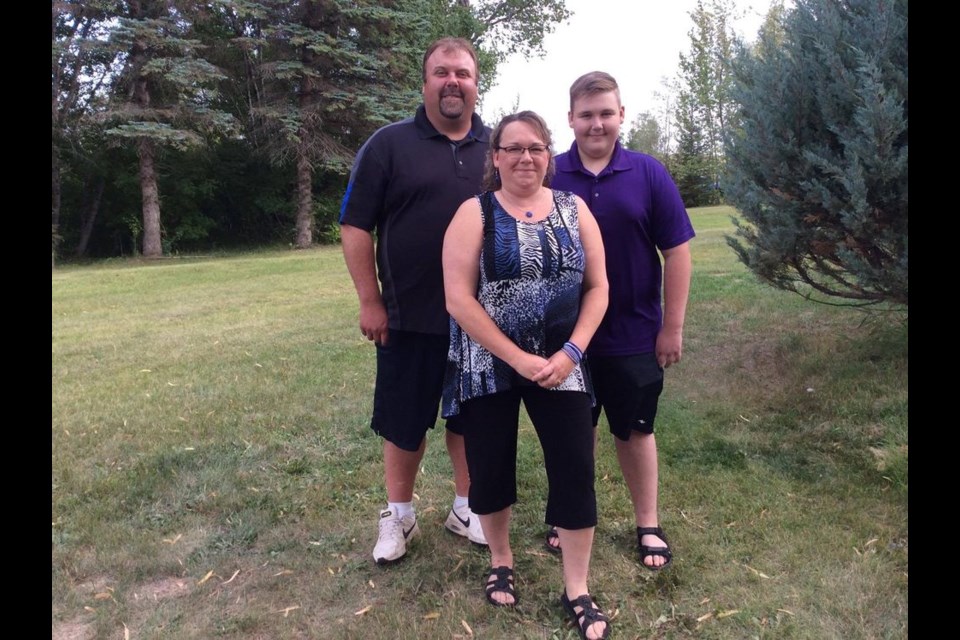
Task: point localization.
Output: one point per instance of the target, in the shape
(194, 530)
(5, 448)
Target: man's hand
(373, 323)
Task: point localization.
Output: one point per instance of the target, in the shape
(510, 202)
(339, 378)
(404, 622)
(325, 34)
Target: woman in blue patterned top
(526, 287)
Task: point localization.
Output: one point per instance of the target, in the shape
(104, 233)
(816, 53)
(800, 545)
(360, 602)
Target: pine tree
(162, 97)
(818, 166)
(331, 72)
(328, 73)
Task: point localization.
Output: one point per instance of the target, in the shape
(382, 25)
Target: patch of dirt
(99, 587)
(753, 367)
(73, 630)
(96, 584)
(162, 589)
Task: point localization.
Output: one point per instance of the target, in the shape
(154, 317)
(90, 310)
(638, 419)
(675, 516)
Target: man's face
(596, 121)
(450, 87)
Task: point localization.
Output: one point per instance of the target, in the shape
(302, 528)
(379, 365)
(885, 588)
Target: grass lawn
(214, 474)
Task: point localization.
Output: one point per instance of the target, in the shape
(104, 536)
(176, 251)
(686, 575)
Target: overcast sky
(637, 41)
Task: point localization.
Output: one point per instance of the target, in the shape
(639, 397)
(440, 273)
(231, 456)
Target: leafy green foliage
(160, 131)
(704, 104)
(818, 166)
(293, 86)
(646, 135)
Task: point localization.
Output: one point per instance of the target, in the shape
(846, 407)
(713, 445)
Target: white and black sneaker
(394, 535)
(465, 522)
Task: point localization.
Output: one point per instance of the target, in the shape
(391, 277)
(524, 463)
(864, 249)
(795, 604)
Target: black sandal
(589, 614)
(552, 535)
(663, 552)
(500, 580)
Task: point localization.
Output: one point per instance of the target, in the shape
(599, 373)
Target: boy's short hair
(593, 83)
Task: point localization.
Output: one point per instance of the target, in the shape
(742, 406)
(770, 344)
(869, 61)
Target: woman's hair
(491, 177)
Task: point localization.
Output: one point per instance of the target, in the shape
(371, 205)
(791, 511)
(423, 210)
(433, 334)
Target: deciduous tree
(704, 103)
(80, 69)
(646, 135)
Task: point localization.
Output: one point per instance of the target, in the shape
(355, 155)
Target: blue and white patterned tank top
(530, 285)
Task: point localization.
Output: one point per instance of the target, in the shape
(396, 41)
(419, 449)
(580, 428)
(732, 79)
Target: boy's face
(596, 121)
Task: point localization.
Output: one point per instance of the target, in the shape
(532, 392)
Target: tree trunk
(87, 220)
(152, 247)
(55, 209)
(304, 203)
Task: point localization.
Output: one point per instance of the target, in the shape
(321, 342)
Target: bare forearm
(677, 270)
(593, 306)
(358, 253)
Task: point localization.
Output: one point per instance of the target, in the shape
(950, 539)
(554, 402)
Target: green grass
(214, 474)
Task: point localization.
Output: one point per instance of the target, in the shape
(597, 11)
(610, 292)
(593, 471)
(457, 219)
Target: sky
(637, 41)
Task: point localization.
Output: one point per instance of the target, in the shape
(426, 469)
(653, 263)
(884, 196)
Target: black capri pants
(562, 419)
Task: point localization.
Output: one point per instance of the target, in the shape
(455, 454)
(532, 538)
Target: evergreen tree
(328, 73)
(162, 97)
(332, 71)
(691, 161)
(818, 166)
(704, 103)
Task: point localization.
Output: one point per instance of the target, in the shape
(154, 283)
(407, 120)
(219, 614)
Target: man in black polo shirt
(406, 183)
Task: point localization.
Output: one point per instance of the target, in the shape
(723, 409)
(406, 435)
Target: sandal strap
(589, 612)
(645, 550)
(503, 581)
(552, 535)
(652, 531)
(653, 551)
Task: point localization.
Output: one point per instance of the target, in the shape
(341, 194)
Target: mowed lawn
(214, 474)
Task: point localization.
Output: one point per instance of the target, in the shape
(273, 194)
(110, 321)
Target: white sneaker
(466, 524)
(393, 537)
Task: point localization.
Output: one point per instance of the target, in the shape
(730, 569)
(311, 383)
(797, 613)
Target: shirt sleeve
(672, 222)
(366, 189)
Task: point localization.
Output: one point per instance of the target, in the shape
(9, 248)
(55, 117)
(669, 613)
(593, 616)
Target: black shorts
(628, 389)
(406, 400)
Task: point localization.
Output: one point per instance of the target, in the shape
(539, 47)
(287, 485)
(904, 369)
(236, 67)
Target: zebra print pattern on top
(530, 284)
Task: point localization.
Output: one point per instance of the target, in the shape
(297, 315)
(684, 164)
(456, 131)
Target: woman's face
(522, 157)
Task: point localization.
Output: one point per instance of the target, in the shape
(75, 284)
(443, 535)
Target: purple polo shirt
(640, 212)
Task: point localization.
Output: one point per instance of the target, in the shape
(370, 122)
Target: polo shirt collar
(426, 129)
(618, 161)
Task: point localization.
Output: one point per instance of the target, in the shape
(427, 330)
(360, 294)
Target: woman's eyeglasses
(516, 150)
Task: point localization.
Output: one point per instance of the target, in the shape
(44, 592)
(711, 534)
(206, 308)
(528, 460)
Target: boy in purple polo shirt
(641, 218)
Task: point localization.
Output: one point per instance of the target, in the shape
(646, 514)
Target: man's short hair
(591, 84)
(449, 44)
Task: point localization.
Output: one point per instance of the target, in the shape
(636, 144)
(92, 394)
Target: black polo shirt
(406, 183)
